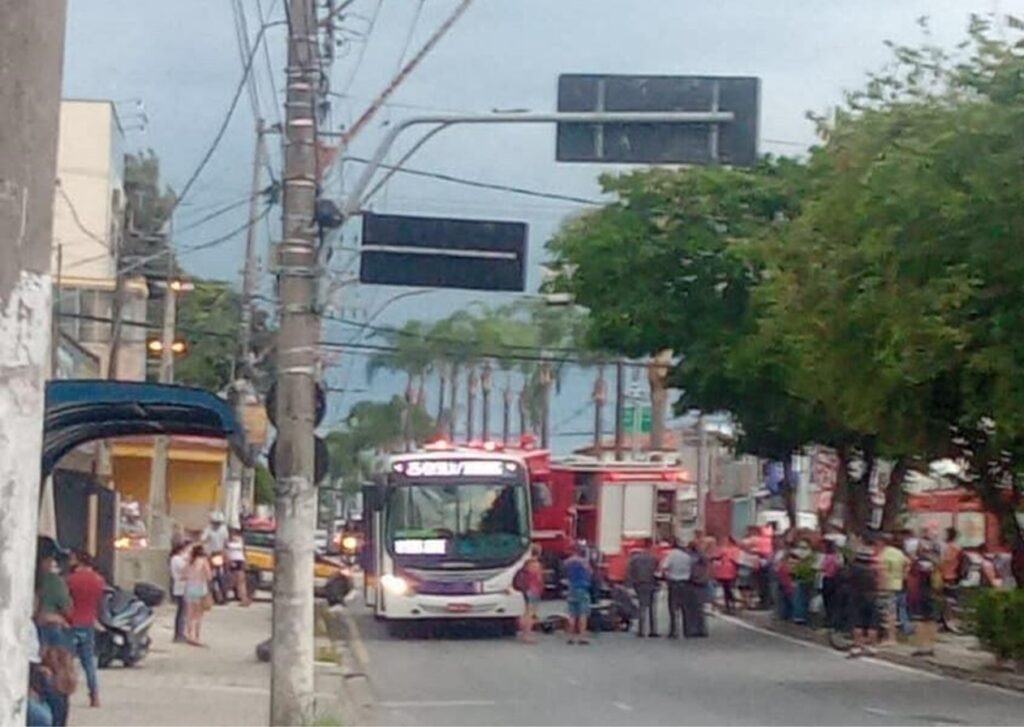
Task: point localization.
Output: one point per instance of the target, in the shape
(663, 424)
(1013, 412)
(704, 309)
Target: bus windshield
(465, 521)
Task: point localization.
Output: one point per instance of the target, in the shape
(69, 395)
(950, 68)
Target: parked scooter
(123, 629)
(219, 579)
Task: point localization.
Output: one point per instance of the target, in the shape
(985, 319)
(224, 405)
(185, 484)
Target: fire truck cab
(614, 507)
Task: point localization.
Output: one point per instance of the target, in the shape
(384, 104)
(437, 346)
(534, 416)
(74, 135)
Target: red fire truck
(613, 507)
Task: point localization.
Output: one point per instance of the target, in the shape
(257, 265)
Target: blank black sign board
(433, 252)
(731, 143)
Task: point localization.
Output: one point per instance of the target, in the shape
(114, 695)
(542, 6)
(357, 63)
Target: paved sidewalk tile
(178, 684)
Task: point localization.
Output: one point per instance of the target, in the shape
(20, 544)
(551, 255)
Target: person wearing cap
(216, 534)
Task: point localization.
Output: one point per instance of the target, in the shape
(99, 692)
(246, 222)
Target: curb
(1011, 682)
(357, 697)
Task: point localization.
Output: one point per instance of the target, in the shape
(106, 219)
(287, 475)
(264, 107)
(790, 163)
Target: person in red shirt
(726, 560)
(87, 588)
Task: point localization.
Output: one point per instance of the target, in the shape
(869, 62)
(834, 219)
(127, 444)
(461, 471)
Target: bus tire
(398, 629)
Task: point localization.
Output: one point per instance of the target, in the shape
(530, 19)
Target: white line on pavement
(622, 706)
(439, 703)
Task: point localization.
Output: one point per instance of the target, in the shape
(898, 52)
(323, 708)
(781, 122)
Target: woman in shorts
(533, 590)
(197, 593)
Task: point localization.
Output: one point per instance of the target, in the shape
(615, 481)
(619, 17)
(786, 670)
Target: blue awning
(80, 411)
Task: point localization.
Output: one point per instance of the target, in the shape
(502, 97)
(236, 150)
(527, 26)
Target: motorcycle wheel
(104, 659)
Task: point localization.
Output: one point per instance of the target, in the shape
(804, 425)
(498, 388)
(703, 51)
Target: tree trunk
(789, 491)
(485, 402)
(859, 492)
(506, 414)
(470, 404)
(894, 495)
(840, 494)
(453, 414)
(546, 379)
(657, 378)
(407, 415)
(522, 412)
(442, 380)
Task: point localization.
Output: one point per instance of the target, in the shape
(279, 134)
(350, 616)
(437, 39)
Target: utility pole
(238, 494)
(159, 533)
(620, 407)
(31, 58)
(292, 688)
(600, 397)
(506, 411)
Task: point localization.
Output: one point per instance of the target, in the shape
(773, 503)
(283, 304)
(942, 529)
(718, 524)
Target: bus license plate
(459, 608)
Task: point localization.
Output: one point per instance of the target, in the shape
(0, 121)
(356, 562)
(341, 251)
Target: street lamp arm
(357, 197)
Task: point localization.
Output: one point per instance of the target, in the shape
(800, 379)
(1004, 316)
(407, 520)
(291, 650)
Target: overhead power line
(452, 179)
(226, 121)
(78, 220)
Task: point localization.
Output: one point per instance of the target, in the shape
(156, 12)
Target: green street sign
(629, 419)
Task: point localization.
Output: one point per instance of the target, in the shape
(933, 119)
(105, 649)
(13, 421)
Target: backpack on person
(700, 571)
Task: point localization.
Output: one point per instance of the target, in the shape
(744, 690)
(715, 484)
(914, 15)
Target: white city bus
(448, 530)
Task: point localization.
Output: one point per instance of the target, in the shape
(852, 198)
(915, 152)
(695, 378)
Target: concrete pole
(157, 528)
(620, 407)
(291, 677)
(238, 496)
(600, 396)
(31, 58)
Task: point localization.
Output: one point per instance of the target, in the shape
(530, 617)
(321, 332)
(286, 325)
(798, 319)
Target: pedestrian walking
(580, 577)
(675, 569)
(695, 592)
(831, 567)
(726, 563)
(642, 577)
(924, 589)
(53, 604)
(530, 582)
(235, 551)
(893, 566)
(197, 593)
(180, 558)
(863, 584)
(87, 588)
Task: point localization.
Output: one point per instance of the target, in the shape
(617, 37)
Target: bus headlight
(395, 585)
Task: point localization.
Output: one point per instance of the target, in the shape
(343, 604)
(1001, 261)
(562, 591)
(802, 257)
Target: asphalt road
(737, 676)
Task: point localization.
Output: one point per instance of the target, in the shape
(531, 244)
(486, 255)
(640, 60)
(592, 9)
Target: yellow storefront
(195, 476)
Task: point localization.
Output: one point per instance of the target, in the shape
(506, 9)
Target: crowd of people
(66, 610)
(879, 588)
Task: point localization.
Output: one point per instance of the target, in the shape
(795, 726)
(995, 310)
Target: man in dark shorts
(580, 576)
(864, 601)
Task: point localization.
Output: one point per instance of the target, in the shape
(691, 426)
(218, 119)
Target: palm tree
(452, 344)
(410, 353)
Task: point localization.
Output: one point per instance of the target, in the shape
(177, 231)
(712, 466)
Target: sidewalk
(957, 656)
(178, 684)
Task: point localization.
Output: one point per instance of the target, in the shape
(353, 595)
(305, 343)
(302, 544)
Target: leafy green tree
(209, 319)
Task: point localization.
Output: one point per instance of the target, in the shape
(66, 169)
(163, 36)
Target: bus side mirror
(373, 500)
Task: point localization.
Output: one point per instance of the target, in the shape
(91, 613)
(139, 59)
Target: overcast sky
(182, 61)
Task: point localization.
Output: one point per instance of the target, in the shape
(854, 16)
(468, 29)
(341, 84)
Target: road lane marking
(442, 703)
(622, 706)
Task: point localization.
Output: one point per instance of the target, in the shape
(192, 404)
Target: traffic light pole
(31, 56)
(292, 688)
(159, 533)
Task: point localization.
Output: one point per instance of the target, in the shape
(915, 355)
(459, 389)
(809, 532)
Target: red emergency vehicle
(614, 507)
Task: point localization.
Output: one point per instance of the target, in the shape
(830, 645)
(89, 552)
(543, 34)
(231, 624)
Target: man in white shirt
(179, 562)
(216, 535)
(676, 569)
